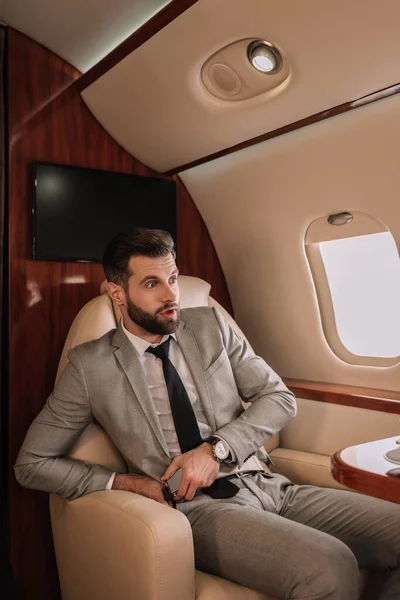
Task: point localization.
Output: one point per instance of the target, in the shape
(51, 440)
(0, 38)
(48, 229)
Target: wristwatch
(219, 449)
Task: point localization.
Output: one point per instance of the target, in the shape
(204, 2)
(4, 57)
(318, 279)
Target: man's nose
(170, 294)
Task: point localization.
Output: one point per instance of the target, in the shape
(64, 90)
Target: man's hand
(199, 470)
(141, 484)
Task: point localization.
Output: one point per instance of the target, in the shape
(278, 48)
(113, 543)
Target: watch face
(221, 451)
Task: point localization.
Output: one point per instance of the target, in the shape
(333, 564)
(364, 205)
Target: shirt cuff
(110, 482)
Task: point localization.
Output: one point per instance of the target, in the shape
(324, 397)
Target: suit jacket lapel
(191, 353)
(129, 360)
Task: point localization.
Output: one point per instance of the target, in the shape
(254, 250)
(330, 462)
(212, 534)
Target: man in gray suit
(168, 386)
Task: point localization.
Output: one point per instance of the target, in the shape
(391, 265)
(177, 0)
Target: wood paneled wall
(48, 121)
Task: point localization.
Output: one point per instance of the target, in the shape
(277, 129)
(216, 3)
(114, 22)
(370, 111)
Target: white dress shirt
(153, 371)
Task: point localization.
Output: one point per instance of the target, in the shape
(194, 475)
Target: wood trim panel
(166, 15)
(47, 120)
(321, 116)
(361, 397)
(380, 486)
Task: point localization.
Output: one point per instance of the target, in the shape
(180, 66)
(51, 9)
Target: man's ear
(116, 293)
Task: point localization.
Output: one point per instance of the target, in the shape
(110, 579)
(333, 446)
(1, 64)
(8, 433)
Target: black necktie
(186, 427)
(185, 421)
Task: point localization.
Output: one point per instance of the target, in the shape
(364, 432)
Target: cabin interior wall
(258, 204)
(48, 121)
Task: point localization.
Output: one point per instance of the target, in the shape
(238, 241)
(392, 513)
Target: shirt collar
(139, 343)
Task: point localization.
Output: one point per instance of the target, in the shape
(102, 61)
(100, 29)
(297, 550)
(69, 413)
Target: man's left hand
(199, 470)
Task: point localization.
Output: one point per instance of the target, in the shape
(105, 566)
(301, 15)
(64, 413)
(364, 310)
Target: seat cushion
(210, 587)
(93, 320)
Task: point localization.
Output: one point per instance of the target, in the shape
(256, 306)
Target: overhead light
(264, 57)
(245, 69)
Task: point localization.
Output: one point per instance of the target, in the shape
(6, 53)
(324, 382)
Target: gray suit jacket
(104, 381)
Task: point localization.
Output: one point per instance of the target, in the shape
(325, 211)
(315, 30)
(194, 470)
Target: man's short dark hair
(139, 241)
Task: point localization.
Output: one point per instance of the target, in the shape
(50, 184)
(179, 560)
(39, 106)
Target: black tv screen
(77, 211)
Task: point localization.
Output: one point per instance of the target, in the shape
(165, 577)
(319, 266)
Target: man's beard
(152, 323)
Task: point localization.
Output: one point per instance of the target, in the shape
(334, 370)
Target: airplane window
(355, 269)
(363, 275)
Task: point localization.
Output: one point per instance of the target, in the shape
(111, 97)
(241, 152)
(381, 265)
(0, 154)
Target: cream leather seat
(118, 545)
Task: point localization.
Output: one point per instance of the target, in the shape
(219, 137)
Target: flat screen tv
(77, 211)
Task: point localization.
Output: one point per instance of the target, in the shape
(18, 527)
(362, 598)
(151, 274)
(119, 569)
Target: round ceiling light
(264, 57)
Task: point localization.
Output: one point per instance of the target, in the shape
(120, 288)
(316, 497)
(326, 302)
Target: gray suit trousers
(296, 541)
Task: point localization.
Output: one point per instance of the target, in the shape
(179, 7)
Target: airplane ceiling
(80, 31)
(154, 103)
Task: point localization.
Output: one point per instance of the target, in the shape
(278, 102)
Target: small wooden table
(364, 467)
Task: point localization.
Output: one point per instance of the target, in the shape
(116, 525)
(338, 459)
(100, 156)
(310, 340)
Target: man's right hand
(141, 484)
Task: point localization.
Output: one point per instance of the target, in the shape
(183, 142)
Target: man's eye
(151, 284)
(174, 279)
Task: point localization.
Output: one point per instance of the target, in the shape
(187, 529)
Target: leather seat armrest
(119, 545)
(304, 468)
